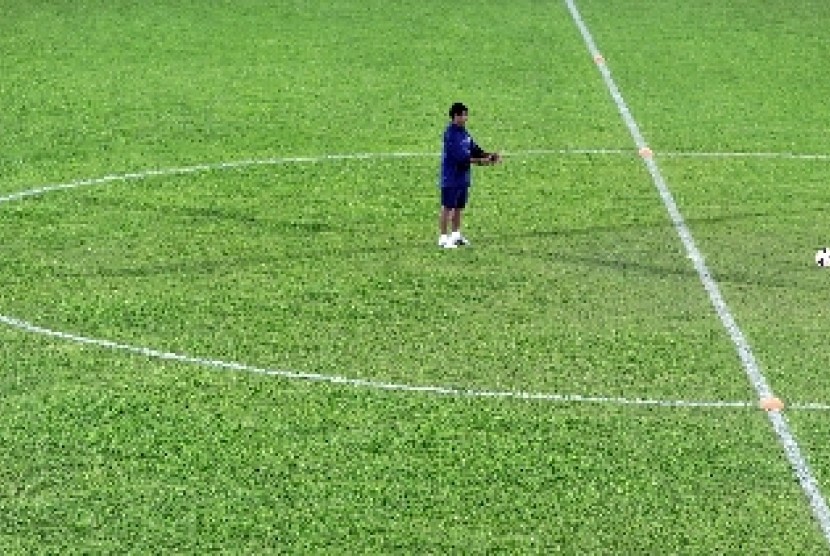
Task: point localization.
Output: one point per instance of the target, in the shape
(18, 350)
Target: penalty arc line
(787, 439)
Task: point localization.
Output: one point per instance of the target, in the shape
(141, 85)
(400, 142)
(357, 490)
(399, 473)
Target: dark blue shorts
(454, 197)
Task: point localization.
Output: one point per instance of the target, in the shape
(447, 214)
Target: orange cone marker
(645, 152)
(771, 404)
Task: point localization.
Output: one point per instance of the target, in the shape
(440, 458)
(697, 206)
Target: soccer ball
(823, 257)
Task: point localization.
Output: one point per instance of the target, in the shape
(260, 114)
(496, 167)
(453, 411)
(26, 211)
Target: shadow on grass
(533, 244)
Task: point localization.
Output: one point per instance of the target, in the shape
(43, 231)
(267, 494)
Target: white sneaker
(446, 243)
(459, 240)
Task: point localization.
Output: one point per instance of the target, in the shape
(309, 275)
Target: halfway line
(753, 371)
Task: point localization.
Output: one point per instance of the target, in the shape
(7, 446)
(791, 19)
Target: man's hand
(487, 159)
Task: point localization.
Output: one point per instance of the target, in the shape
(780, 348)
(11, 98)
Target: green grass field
(229, 194)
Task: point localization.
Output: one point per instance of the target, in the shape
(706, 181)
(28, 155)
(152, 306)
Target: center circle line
(336, 379)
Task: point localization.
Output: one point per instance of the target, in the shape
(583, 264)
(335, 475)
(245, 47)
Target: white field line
(202, 168)
(753, 371)
(552, 397)
(380, 385)
(208, 167)
(371, 384)
(235, 366)
(782, 155)
(675, 154)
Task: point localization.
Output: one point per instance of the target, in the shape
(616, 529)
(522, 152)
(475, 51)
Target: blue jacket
(459, 147)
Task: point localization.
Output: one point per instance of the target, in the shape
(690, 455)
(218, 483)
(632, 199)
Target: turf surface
(576, 282)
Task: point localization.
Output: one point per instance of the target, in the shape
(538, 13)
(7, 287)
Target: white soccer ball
(823, 257)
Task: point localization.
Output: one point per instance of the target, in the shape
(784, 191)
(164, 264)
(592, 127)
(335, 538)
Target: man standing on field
(460, 152)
